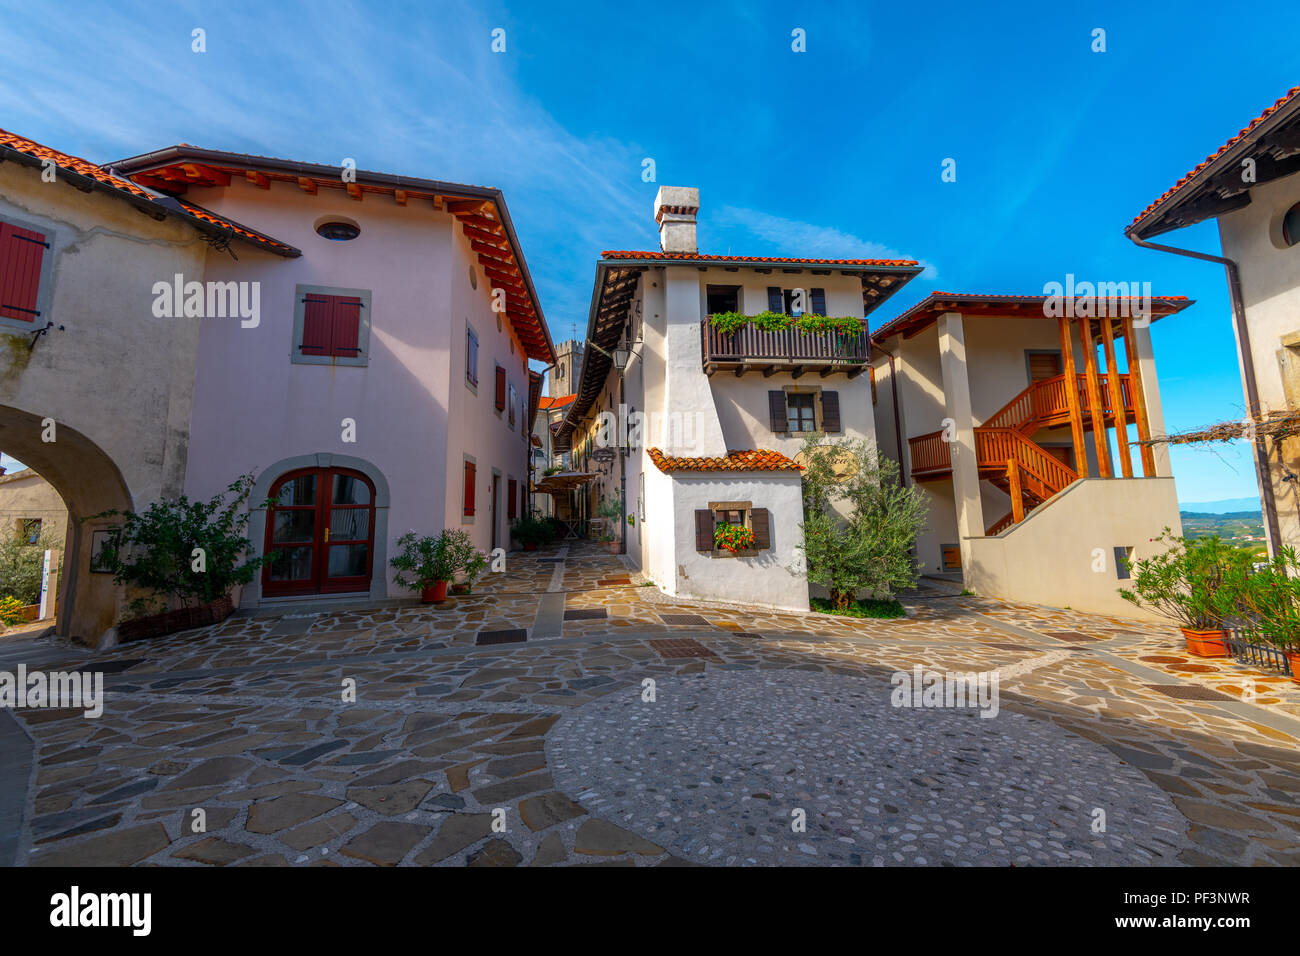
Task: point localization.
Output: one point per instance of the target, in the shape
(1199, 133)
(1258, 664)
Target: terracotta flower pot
(1208, 643)
(459, 589)
(435, 594)
(530, 545)
(1293, 658)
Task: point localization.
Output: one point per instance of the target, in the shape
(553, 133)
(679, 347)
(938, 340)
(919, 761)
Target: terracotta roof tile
(760, 459)
(1295, 90)
(88, 169)
(698, 257)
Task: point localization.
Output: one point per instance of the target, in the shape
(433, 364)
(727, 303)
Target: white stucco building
(712, 420)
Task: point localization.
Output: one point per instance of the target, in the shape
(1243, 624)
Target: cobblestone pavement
(647, 731)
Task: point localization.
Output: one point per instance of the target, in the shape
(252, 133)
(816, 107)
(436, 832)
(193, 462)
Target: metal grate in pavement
(514, 635)
(693, 620)
(1188, 692)
(586, 614)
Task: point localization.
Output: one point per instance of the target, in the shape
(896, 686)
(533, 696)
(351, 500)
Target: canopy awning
(563, 482)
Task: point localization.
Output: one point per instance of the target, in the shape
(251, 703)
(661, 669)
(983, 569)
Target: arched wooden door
(320, 533)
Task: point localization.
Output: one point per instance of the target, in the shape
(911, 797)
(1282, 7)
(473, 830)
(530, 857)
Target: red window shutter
(704, 530)
(469, 488)
(510, 499)
(21, 253)
(501, 388)
(317, 325)
(346, 323)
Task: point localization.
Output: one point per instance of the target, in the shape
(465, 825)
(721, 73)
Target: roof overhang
(926, 312)
(480, 210)
(1219, 185)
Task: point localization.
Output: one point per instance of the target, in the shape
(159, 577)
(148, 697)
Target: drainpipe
(898, 426)
(1248, 370)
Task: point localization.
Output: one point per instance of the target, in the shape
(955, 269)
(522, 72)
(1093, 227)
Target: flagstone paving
(385, 736)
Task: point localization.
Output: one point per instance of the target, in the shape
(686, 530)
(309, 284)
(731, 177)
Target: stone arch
(90, 482)
(252, 594)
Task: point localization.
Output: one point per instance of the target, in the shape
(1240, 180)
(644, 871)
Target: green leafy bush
(1267, 600)
(425, 560)
(531, 529)
(860, 522)
(21, 565)
(159, 550)
(768, 321)
(1192, 582)
(868, 607)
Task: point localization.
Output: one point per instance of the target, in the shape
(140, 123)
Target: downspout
(898, 425)
(1248, 370)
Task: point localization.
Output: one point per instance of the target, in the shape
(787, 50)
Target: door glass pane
(291, 564)
(347, 524)
(350, 491)
(294, 525)
(348, 560)
(298, 491)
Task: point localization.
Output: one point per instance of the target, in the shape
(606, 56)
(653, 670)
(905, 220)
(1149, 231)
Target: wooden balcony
(752, 350)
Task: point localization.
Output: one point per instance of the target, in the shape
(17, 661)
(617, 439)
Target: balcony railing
(751, 349)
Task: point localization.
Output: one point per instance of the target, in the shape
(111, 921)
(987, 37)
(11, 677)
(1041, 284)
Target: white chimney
(675, 209)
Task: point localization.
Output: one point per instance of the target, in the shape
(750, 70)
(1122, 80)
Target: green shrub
(872, 549)
(1268, 600)
(157, 550)
(531, 529)
(1195, 582)
(21, 565)
(768, 321)
(867, 607)
(425, 560)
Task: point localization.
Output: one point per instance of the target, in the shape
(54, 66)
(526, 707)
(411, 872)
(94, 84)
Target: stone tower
(563, 379)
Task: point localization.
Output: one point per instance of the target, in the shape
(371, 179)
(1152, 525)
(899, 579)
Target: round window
(473, 278)
(338, 231)
(1291, 225)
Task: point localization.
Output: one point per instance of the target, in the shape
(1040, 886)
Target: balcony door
(320, 533)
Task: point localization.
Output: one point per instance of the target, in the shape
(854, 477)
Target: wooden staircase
(1004, 452)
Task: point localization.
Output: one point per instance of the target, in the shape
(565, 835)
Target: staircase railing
(994, 447)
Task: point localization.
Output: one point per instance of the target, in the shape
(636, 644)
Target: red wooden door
(320, 533)
(496, 500)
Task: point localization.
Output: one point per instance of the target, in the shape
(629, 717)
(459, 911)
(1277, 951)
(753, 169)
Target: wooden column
(1072, 399)
(1116, 398)
(1096, 413)
(1139, 401)
(1017, 499)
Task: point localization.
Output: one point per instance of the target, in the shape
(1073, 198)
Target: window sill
(724, 553)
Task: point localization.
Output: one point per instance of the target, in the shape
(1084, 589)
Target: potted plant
(733, 537)
(612, 513)
(181, 552)
(1268, 600)
(530, 532)
(468, 560)
(1191, 584)
(426, 563)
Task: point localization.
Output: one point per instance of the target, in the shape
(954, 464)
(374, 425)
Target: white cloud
(790, 237)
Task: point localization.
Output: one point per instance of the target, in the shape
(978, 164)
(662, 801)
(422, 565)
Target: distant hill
(1222, 506)
(1222, 516)
(1245, 529)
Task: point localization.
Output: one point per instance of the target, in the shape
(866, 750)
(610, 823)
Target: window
(783, 300)
(514, 399)
(1123, 557)
(331, 326)
(741, 513)
(22, 256)
(721, 298)
(470, 477)
(338, 231)
(471, 356)
(29, 529)
(501, 389)
(801, 413)
(1291, 225)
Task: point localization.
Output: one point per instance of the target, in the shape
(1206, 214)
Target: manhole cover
(1188, 692)
(681, 647)
(586, 614)
(515, 635)
(684, 619)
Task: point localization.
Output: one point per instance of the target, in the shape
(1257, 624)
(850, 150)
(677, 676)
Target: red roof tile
(88, 169)
(1294, 91)
(697, 257)
(761, 459)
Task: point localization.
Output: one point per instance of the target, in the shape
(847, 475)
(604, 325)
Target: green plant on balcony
(733, 537)
(727, 323)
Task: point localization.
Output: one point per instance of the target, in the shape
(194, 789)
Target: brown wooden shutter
(830, 411)
(760, 522)
(873, 384)
(470, 478)
(21, 254)
(510, 499)
(704, 530)
(776, 410)
(317, 325)
(501, 388)
(775, 301)
(1044, 365)
(471, 356)
(819, 301)
(346, 323)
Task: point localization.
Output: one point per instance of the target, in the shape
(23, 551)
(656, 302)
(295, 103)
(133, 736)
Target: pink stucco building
(374, 384)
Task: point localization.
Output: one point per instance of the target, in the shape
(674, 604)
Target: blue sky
(833, 152)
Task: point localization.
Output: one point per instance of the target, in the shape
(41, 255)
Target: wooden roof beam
(306, 185)
(399, 195)
(209, 176)
(257, 179)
